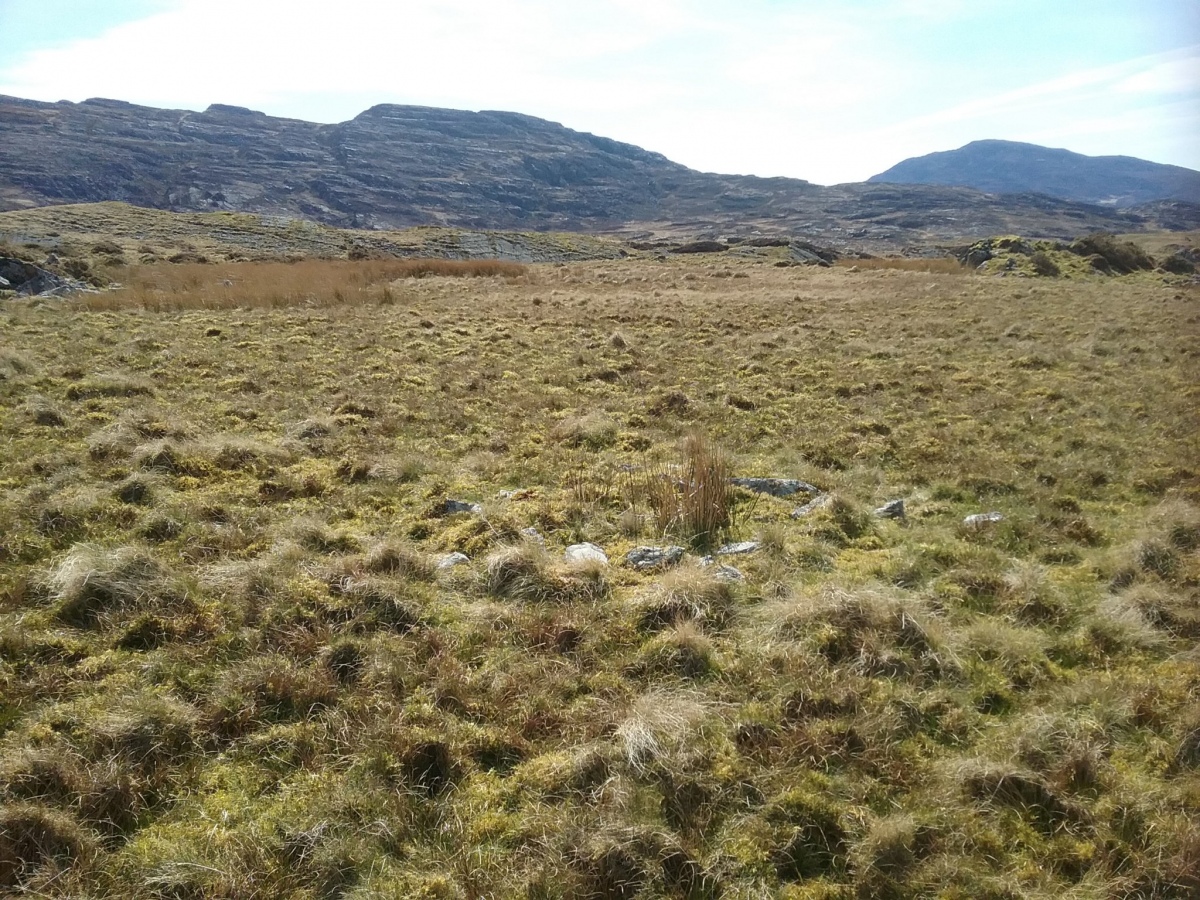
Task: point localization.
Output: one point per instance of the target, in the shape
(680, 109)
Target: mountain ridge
(395, 166)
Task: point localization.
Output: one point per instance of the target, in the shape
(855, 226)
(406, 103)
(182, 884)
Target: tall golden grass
(315, 283)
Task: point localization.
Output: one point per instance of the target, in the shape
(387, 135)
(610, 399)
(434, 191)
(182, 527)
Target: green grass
(230, 665)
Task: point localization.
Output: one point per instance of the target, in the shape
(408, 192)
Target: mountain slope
(400, 166)
(1013, 167)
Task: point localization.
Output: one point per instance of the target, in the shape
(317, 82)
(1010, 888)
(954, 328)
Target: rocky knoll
(398, 166)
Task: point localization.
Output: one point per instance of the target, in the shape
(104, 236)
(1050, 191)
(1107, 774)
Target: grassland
(230, 665)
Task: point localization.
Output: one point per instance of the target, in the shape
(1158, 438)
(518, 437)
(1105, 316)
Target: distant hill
(1011, 167)
(394, 167)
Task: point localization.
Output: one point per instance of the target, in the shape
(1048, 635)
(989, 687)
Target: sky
(828, 92)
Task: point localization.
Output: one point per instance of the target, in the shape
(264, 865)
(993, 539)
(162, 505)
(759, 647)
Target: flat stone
(776, 487)
(585, 553)
(739, 548)
(453, 507)
(646, 559)
(893, 509)
(533, 534)
(728, 573)
(450, 560)
(811, 506)
(977, 520)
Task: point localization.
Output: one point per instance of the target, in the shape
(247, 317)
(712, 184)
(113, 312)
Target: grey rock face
(893, 509)
(648, 559)
(585, 552)
(26, 278)
(399, 166)
(776, 487)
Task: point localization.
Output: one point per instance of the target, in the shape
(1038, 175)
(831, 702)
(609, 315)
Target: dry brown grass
(937, 266)
(313, 283)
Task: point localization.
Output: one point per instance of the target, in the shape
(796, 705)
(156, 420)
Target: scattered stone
(646, 559)
(739, 548)
(776, 487)
(534, 535)
(453, 507)
(893, 509)
(979, 519)
(585, 553)
(450, 560)
(728, 573)
(812, 506)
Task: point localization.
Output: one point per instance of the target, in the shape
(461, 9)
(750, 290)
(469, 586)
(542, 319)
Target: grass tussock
(91, 581)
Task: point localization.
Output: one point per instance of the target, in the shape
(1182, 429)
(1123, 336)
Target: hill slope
(1013, 167)
(399, 166)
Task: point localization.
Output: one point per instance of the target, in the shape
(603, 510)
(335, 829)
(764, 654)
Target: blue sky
(823, 91)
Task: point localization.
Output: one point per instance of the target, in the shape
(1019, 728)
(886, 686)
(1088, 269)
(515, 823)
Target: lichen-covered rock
(647, 559)
(819, 502)
(776, 487)
(893, 509)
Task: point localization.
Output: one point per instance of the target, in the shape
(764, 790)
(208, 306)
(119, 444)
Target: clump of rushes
(695, 500)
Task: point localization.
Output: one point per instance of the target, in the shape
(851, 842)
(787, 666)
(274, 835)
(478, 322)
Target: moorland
(238, 657)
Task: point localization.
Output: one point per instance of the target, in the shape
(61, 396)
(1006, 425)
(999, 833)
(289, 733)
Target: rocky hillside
(399, 166)
(1012, 167)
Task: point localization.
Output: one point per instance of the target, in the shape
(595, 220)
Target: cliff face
(399, 166)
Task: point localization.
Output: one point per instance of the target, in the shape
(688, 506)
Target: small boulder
(893, 509)
(978, 520)
(450, 560)
(453, 507)
(648, 559)
(738, 548)
(585, 552)
(812, 506)
(533, 534)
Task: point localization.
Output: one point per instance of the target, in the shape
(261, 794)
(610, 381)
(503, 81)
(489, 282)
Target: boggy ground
(230, 666)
